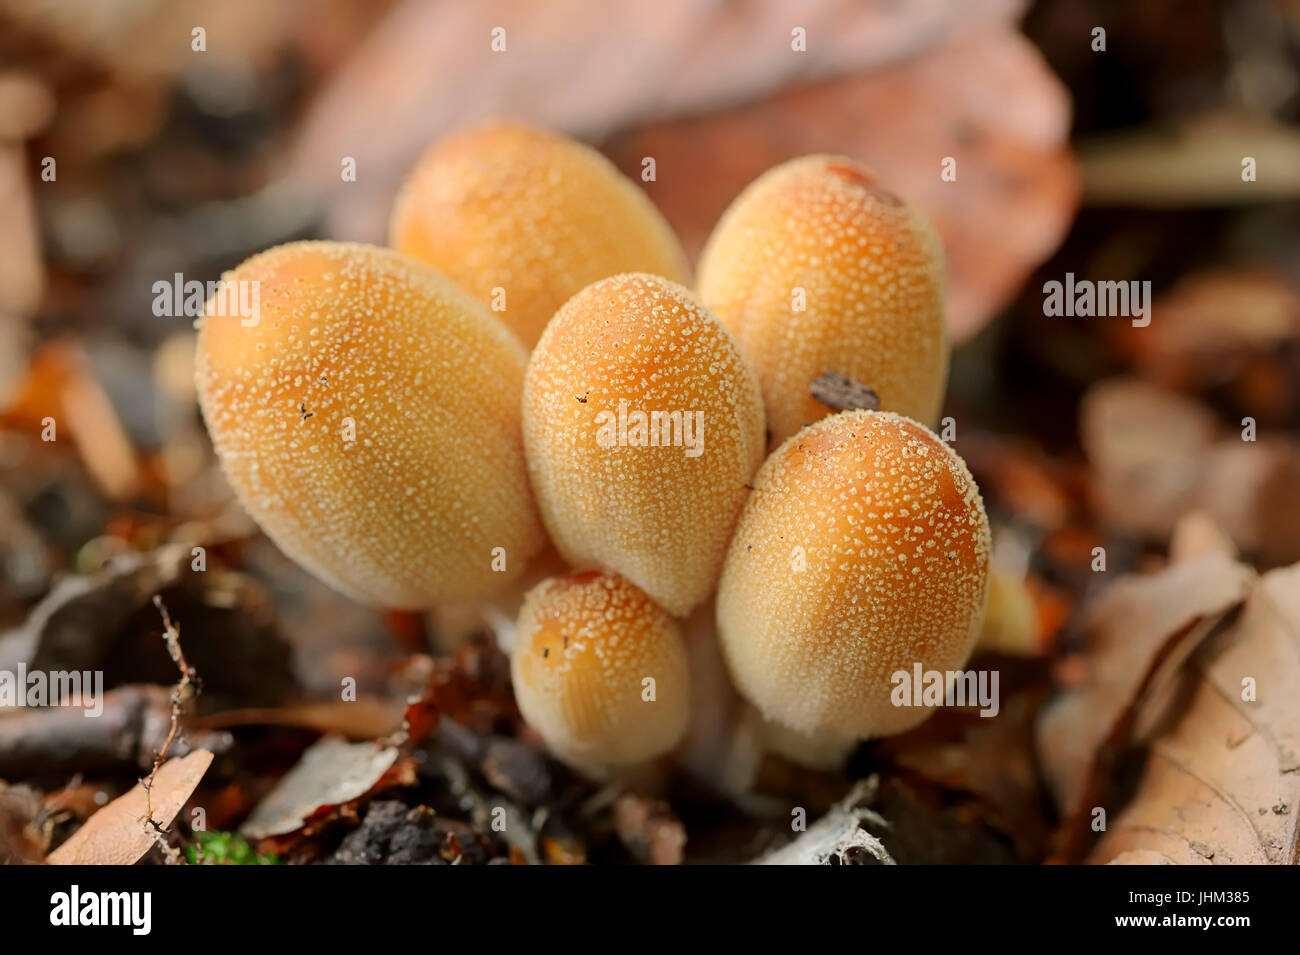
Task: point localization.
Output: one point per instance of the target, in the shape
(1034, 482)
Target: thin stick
(181, 694)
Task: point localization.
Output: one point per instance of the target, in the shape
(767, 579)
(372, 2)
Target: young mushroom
(642, 425)
(600, 672)
(817, 268)
(863, 551)
(523, 219)
(366, 411)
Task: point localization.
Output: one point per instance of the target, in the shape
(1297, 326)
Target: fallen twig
(181, 696)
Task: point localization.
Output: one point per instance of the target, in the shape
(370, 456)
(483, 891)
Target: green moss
(224, 848)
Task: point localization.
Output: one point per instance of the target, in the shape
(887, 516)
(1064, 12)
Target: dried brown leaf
(1017, 473)
(991, 759)
(1157, 456)
(1198, 535)
(839, 392)
(331, 773)
(1213, 327)
(120, 834)
(26, 105)
(1013, 166)
(60, 384)
(1250, 489)
(1141, 631)
(1146, 446)
(364, 718)
(24, 826)
(593, 71)
(586, 69)
(1223, 784)
(22, 271)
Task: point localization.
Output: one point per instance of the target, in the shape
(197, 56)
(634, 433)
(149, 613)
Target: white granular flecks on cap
(280, 408)
(505, 206)
(656, 515)
(586, 645)
(872, 273)
(814, 648)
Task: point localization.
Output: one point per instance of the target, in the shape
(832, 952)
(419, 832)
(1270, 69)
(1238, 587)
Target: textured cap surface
(653, 497)
(816, 267)
(586, 646)
(863, 550)
(534, 214)
(368, 419)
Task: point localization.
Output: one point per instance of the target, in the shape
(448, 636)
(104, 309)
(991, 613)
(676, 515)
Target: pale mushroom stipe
(863, 551)
(816, 267)
(642, 426)
(600, 672)
(369, 421)
(524, 219)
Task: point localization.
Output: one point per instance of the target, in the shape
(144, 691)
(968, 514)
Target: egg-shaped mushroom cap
(642, 425)
(600, 672)
(816, 267)
(367, 415)
(524, 218)
(863, 550)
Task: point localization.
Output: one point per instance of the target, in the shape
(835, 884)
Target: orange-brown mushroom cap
(367, 415)
(600, 672)
(642, 425)
(863, 550)
(816, 268)
(530, 213)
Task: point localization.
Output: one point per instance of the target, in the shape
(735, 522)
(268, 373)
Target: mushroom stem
(823, 751)
(454, 623)
(723, 747)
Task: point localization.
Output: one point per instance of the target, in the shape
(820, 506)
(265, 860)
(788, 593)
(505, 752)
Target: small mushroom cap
(869, 271)
(539, 216)
(600, 672)
(863, 550)
(368, 418)
(660, 515)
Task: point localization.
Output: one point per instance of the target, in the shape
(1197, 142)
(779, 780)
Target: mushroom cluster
(526, 368)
